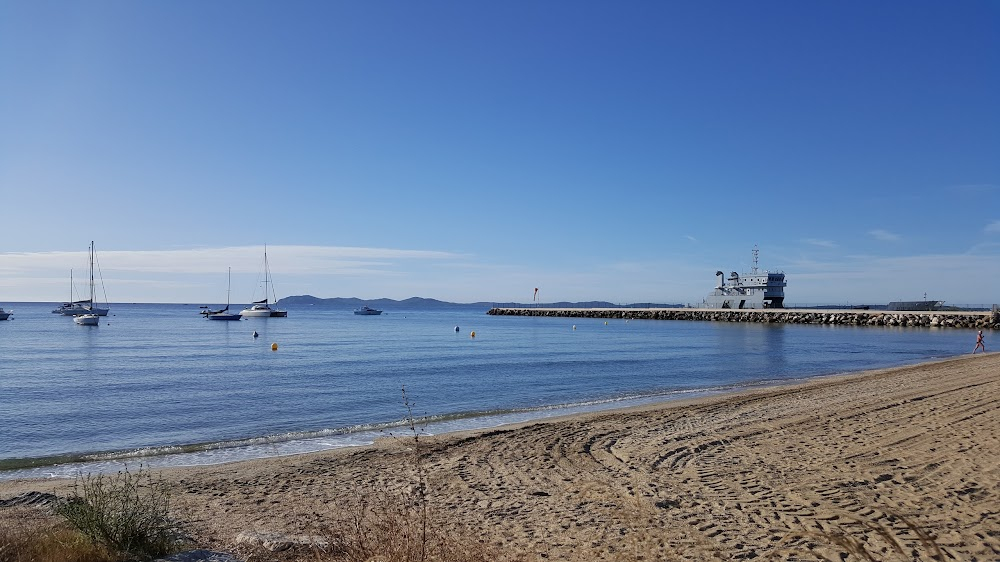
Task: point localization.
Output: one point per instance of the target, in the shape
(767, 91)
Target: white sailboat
(261, 308)
(72, 308)
(82, 307)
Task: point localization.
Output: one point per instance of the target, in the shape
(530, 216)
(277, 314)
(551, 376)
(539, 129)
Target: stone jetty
(930, 319)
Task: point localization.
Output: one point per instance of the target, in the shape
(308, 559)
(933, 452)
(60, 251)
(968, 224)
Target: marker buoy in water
(605, 322)
(473, 334)
(456, 328)
(255, 333)
(574, 326)
(274, 347)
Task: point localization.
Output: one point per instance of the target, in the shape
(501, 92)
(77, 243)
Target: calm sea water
(160, 385)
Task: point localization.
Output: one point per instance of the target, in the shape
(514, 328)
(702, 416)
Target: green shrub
(125, 513)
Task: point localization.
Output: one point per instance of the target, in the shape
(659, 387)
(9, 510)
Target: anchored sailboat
(81, 307)
(261, 308)
(224, 314)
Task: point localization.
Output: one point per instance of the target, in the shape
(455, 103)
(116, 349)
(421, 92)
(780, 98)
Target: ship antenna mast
(755, 259)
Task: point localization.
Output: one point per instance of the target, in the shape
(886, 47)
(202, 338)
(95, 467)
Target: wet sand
(898, 464)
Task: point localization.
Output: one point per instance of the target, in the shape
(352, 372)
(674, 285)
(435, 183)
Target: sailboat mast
(91, 273)
(267, 277)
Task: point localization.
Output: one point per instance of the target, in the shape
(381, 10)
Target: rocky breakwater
(931, 319)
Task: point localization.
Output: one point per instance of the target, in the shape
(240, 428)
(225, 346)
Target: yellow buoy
(473, 334)
(274, 347)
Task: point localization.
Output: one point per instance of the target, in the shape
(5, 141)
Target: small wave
(291, 443)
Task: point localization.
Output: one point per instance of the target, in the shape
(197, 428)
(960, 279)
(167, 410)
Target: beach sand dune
(900, 464)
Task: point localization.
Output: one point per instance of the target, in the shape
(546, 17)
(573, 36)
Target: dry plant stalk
(126, 513)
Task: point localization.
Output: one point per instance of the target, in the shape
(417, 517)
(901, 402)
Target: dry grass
(862, 541)
(387, 523)
(395, 526)
(105, 519)
(389, 520)
(30, 535)
(127, 513)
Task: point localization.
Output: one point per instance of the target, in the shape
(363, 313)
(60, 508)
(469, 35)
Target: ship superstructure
(756, 289)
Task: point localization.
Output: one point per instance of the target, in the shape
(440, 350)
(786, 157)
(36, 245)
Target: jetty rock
(929, 319)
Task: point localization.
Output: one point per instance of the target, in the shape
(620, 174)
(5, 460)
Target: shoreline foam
(284, 445)
(902, 458)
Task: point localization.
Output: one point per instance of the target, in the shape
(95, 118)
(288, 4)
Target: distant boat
(221, 314)
(914, 305)
(753, 290)
(261, 308)
(87, 319)
(74, 308)
(224, 313)
(366, 311)
(5, 315)
(77, 308)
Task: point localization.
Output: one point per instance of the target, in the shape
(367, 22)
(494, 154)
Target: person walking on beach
(979, 343)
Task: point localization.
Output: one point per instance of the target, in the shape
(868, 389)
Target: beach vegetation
(126, 513)
(390, 519)
(863, 540)
(29, 535)
(390, 525)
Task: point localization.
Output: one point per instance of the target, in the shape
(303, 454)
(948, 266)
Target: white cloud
(993, 227)
(820, 243)
(884, 235)
(243, 259)
(199, 276)
(195, 274)
(691, 238)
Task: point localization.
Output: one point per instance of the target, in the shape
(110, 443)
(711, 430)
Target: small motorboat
(5, 315)
(87, 319)
(367, 311)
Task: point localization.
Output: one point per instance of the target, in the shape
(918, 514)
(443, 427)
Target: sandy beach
(899, 464)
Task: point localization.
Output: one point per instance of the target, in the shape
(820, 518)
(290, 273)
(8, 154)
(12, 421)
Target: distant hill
(352, 303)
(418, 303)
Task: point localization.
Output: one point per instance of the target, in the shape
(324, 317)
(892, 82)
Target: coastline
(887, 457)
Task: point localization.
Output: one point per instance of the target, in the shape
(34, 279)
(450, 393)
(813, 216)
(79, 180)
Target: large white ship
(756, 289)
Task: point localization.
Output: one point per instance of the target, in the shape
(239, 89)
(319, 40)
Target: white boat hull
(87, 319)
(256, 312)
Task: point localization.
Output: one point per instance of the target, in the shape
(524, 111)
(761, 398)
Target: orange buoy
(274, 347)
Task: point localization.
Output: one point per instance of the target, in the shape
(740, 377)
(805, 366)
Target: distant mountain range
(418, 303)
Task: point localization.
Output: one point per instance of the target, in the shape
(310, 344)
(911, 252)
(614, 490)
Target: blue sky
(471, 151)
